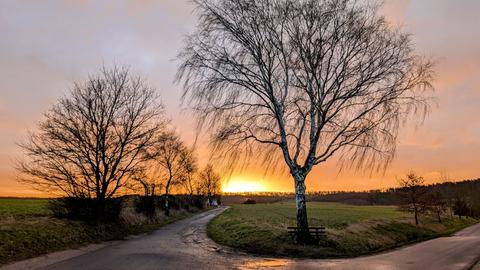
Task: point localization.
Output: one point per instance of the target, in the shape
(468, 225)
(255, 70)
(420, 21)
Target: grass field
(351, 230)
(28, 229)
(23, 207)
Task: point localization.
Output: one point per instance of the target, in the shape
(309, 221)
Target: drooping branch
(310, 78)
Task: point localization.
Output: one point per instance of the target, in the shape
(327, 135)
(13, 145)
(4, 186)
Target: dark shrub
(58, 208)
(219, 199)
(475, 208)
(146, 205)
(461, 207)
(177, 202)
(186, 202)
(112, 210)
(161, 202)
(86, 209)
(198, 202)
(249, 201)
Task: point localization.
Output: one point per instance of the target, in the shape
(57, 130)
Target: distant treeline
(467, 191)
(257, 197)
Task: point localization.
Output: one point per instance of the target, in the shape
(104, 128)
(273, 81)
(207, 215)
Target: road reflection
(266, 263)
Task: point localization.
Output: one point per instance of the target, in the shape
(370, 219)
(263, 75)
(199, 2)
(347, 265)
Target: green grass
(28, 229)
(351, 230)
(23, 207)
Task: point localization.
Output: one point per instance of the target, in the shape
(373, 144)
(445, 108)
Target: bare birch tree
(305, 79)
(92, 141)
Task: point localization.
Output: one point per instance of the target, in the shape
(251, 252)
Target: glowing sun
(243, 185)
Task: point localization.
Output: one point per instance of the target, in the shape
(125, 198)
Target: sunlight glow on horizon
(39, 69)
(243, 185)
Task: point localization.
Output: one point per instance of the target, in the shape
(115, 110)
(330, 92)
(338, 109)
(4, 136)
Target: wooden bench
(317, 233)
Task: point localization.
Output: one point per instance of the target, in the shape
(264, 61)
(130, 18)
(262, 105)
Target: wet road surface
(184, 245)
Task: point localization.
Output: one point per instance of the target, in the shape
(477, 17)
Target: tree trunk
(303, 236)
(416, 213)
(100, 206)
(145, 189)
(414, 202)
(167, 209)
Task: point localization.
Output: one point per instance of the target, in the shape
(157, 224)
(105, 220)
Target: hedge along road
(184, 245)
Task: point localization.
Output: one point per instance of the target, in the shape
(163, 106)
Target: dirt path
(184, 245)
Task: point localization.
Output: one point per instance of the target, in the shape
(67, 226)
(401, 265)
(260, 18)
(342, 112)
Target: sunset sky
(47, 45)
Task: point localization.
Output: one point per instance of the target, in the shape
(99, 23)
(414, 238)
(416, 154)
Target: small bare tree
(210, 183)
(170, 163)
(413, 183)
(435, 203)
(92, 141)
(149, 179)
(304, 79)
(190, 179)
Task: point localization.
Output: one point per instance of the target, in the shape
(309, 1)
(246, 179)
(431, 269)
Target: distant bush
(89, 210)
(249, 201)
(150, 205)
(146, 205)
(198, 202)
(461, 207)
(219, 199)
(86, 209)
(178, 202)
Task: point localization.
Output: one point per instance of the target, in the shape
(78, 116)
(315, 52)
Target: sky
(47, 45)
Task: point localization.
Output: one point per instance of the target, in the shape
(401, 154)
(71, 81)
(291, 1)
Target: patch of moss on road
(351, 230)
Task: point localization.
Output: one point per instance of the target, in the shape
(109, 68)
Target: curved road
(184, 245)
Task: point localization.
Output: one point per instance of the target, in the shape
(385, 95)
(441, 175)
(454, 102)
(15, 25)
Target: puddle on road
(264, 264)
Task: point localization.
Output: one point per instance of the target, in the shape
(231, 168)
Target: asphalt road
(184, 245)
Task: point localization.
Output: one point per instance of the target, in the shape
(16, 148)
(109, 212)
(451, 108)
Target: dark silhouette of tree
(210, 183)
(92, 141)
(460, 207)
(303, 79)
(170, 162)
(190, 177)
(413, 183)
(435, 202)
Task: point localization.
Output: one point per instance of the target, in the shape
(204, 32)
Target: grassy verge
(351, 230)
(27, 229)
